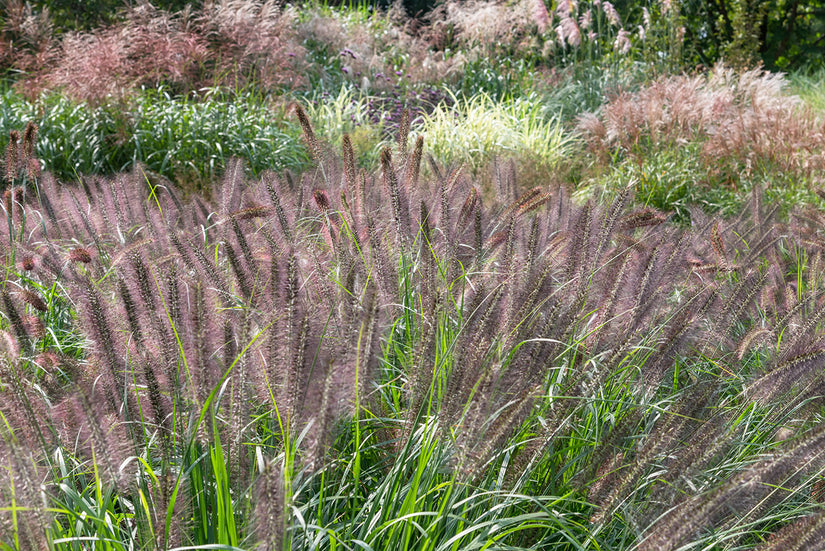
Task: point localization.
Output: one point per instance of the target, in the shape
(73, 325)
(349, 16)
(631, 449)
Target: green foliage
(677, 180)
(193, 140)
(585, 89)
(475, 130)
(73, 15)
(669, 181)
(746, 17)
(401, 356)
(783, 35)
(187, 141)
(666, 137)
(503, 78)
(810, 86)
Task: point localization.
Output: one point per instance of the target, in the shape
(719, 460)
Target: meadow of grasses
(390, 293)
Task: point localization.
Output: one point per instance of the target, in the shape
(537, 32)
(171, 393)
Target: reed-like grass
(473, 131)
(187, 141)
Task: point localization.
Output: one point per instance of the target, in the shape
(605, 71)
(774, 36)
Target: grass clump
(732, 130)
(187, 141)
(232, 44)
(477, 129)
(191, 140)
(395, 360)
(260, 45)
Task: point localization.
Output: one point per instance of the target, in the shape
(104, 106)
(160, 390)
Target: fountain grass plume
(319, 360)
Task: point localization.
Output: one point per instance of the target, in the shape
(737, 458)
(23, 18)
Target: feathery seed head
(414, 164)
(34, 326)
(80, 254)
(349, 157)
(641, 218)
(34, 300)
(33, 169)
(8, 203)
(27, 263)
(252, 211)
(9, 344)
(321, 199)
(29, 140)
(12, 156)
(309, 134)
(469, 206)
(403, 132)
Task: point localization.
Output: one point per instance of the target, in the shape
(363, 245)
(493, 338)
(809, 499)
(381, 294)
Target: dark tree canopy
(783, 34)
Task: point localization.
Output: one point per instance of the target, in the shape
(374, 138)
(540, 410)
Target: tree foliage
(88, 14)
(783, 34)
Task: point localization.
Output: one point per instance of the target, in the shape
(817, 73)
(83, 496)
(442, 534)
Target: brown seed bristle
(19, 199)
(79, 254)
(321, 199)
(9, 344)
(497, 239)
(34, 326)
(48, 360)
(469, 206)
(34, 300)
(309, 134)
(414, 163)
(349, 162)
(29, 140)
(533, 204)
(12, 152)
(7, 202)
(279, 209)
(251, 212)
(718, 247)
(477, 234)
(33, 169)
(640, 219)
(27, 263)
(391, 183)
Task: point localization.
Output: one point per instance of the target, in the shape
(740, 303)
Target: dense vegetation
(295, 277)
(781, 34)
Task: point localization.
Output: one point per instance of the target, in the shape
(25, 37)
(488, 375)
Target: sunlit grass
(477, 129)
(810, 87)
